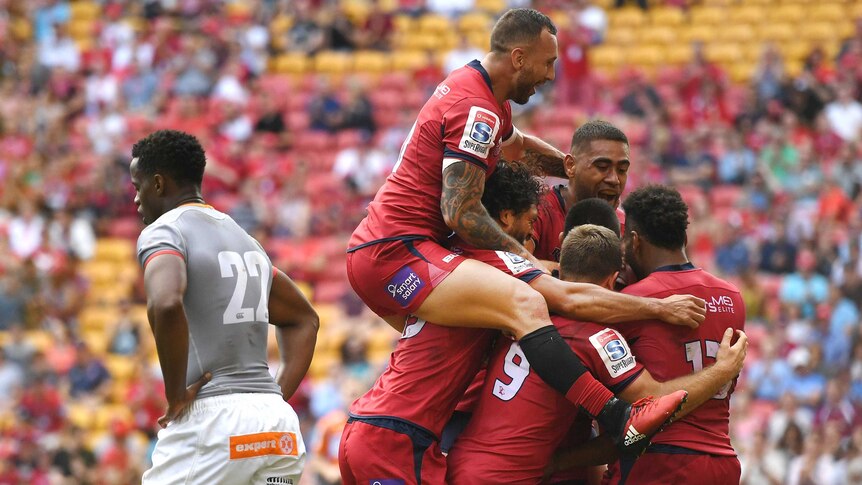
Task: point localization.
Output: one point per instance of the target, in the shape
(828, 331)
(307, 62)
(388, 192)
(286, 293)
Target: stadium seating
(733, 33)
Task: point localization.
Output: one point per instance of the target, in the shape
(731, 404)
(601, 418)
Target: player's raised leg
(477, 295)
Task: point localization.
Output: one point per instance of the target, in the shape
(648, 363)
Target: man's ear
(569, 165)
(610, 281)
(506, 219)
(635, 241)
(519, 58)
(562, 234)
(159, 184)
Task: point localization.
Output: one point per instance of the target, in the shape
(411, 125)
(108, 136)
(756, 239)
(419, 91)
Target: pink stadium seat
(348, 138)
(280, 86)
(726, 196)
(320, 185)
(387, 99)
(313, 140)
(691, 194)
(330, 291)
(398, 81)
(770, 283)
(224, 202)
(296, 101)
(387, 117)
(298, 121)
(125, 227)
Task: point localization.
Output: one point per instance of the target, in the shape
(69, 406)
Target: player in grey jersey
(211, 294)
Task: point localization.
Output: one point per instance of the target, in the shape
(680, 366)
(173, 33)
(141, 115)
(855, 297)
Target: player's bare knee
(530, 312)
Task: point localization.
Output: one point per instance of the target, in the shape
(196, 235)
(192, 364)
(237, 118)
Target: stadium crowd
(771, 169)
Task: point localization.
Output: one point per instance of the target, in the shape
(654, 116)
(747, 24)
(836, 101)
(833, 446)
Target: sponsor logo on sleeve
(404, 286)
(442, 90)
(515, 263)
(385, 481)
(449, 257)
(480, 132)
(262, 444)
(719, 304)
(614, 351)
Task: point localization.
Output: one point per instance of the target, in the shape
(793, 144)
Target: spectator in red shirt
(376, 33)
(42, 406)
(576, 85)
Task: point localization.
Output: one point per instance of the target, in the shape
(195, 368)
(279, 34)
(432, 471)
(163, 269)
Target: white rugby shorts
(230, 439)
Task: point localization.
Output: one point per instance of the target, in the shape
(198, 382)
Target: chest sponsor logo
(514, 263)
(404, 286)
(614, 352)
(480, 132)
(719, 304)
(385, 481)
(262, 444)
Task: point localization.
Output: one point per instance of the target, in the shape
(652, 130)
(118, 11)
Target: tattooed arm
(541, 157)
(461, 205)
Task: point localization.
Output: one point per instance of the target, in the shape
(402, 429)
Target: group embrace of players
(485, 386)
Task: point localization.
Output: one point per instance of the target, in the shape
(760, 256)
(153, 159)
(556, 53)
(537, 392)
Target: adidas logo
(633, 436)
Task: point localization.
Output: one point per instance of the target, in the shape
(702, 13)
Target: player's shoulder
(578, 330)
(176, 220)
(650, 285)
(567, 326)
(720, 283)
(465, 88)
(551, 204)
(660, 282)
(185, 212)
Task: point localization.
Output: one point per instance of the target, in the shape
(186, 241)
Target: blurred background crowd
(750, 108)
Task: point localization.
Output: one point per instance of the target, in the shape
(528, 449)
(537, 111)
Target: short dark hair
(519, 26)
(596, 130)
(174, 153)
(658, 214)
(512, 186)
(592, 211)
(590, 253)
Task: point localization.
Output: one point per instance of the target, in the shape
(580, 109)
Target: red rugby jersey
(431, 366)
(551, 222)
(461, 121)
(520, 420)
(670, 351)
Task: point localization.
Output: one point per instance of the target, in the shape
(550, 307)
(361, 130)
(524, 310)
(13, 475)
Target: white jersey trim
(511, 139)
(448, 162)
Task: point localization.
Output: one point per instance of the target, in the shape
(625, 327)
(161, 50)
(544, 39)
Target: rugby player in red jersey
(520, 420)
(396, 261)
(596, 167)
(394, 429)
(697, 447)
